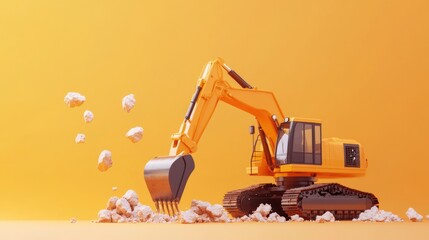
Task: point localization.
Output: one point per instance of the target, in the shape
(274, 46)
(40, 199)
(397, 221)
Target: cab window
(306, 143)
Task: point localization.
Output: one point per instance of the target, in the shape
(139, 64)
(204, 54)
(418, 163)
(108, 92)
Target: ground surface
(261, 231)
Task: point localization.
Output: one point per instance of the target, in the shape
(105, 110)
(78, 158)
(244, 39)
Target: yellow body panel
(332, 161)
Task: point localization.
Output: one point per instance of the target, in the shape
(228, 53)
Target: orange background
(360, 66)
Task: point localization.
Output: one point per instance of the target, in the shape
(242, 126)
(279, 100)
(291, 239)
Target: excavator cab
(299, 142)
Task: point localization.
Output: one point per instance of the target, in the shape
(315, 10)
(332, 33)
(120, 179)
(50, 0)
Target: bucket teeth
(167, 207)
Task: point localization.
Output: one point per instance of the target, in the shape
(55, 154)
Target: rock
(105, 160)
(80, 138)
(104, 216)
(264, 209)
(413, 215)
(111, 204)
(128, 102)
(296, 218)
(135, 134)
(326, 217)
(88, 116)
(275, 217)
(376, 215)
(74, 99)
(123, 207)
(132, 198)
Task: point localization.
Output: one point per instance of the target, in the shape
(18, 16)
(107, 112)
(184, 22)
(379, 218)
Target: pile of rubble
(376, 215)
(261, 214)
(129, 209)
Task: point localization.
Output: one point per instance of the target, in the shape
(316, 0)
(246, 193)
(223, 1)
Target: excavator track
(343, 202)
(244, 201)
(308, 202)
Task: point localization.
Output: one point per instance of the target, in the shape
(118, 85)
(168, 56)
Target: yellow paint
(361, 66)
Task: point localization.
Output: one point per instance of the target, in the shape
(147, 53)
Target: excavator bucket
(166, 178)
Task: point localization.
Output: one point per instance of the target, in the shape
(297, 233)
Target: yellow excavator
(290, 149)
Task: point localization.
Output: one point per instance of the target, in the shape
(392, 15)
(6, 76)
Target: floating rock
(88, 116)
(105, 160)
(80, 138)
(128, 102)
(74, 99)
(135, 134)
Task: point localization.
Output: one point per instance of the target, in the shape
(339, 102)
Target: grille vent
(351, 155)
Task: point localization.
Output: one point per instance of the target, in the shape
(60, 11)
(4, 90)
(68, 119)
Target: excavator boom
(166, 177)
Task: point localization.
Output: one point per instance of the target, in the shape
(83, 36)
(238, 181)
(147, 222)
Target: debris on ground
(74, 99)
(73, 220)
(128, 102)
(261, 214)
(114, 188)
(376, 215)
(88, 116)
(128, 209)
(203, 212)
(105, 160)
(326, 217)
(135, 134)
(413, 215)
(296, 218)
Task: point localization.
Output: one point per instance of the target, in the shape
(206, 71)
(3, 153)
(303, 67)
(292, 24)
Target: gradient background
(360, 66)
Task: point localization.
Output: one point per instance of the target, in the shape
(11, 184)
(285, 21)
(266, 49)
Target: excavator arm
(166, 177)
(212, 88)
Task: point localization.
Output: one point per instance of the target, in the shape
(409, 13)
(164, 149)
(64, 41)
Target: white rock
(264, 209)
(104, 216)
(80, 138)
(114, 188)
(142, 213)
(74, 99)
(413, 215)
(128, 102)
(132, 197)
(275, 217)
(123, 219)
(135, 134)
(88, 116)
(105, 160)
(115, 216)
(111, 204)
(215, 211)
(161, 218)
(245, 218)
(188, 216)
(257, 217)
(326, 217)
(199, 207)
(296, 218)
(376, 215)
(123, 207)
